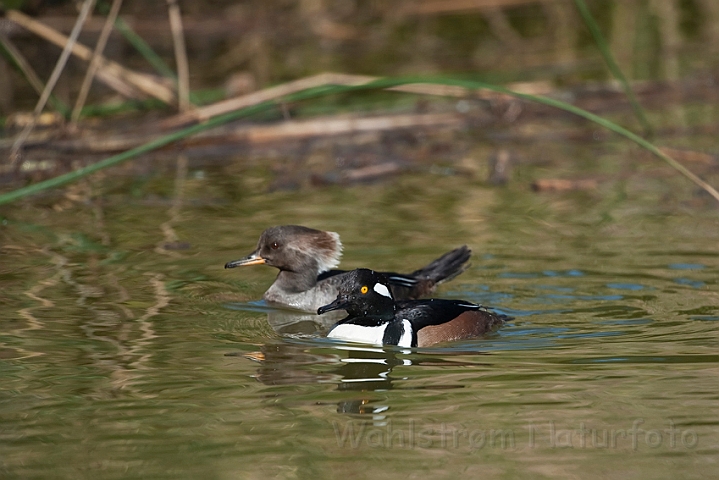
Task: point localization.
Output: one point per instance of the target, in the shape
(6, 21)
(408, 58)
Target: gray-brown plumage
(306, 257)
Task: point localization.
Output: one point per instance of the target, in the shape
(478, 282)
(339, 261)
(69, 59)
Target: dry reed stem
(183, 68)
(95, 62)
(225, 106)
(22, 64)
(59, 67)
(125, 81)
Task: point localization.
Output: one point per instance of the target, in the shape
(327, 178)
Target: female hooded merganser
(376, 318)
(305, 257)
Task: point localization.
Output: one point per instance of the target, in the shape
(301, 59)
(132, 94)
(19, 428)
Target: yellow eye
(364, 289)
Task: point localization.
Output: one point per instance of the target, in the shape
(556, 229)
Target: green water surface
(127, 351)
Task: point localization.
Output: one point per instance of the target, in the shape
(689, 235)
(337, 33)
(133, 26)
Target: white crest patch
(329, 259)
(382, 290)
(358, 333)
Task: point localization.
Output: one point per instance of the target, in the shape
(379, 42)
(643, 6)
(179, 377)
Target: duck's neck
(296, 281)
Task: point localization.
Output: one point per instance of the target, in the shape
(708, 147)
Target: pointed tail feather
(445, 267)
(422, 282)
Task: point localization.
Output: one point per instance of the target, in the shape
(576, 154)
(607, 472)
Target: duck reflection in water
(352, 368)
(363, 370)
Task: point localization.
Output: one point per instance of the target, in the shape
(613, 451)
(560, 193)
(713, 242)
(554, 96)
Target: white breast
(358, 333)
(406, 339)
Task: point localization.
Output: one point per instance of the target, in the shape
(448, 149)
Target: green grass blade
(148, 53)
(129, 154)
(386, 83)
(144, 48)
(336, 89)
(612, 64)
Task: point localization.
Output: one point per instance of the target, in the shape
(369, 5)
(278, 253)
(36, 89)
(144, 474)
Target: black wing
(394, 279)
(434, 311)
(329, 273)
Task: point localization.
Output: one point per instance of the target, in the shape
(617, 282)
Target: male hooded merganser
(305, 257)
(376, 318)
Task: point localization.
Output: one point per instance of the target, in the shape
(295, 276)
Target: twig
(126, 82)
(59, 67)
(95, 63)
(183, 69)
(29, 73)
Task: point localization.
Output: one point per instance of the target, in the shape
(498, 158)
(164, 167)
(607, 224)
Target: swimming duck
(375, 317)
(306, 258)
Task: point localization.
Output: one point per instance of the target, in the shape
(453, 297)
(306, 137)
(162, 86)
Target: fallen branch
(258, 134)
(294, 130)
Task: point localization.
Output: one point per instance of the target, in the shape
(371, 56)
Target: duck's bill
(339, 304)
(251, 259)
